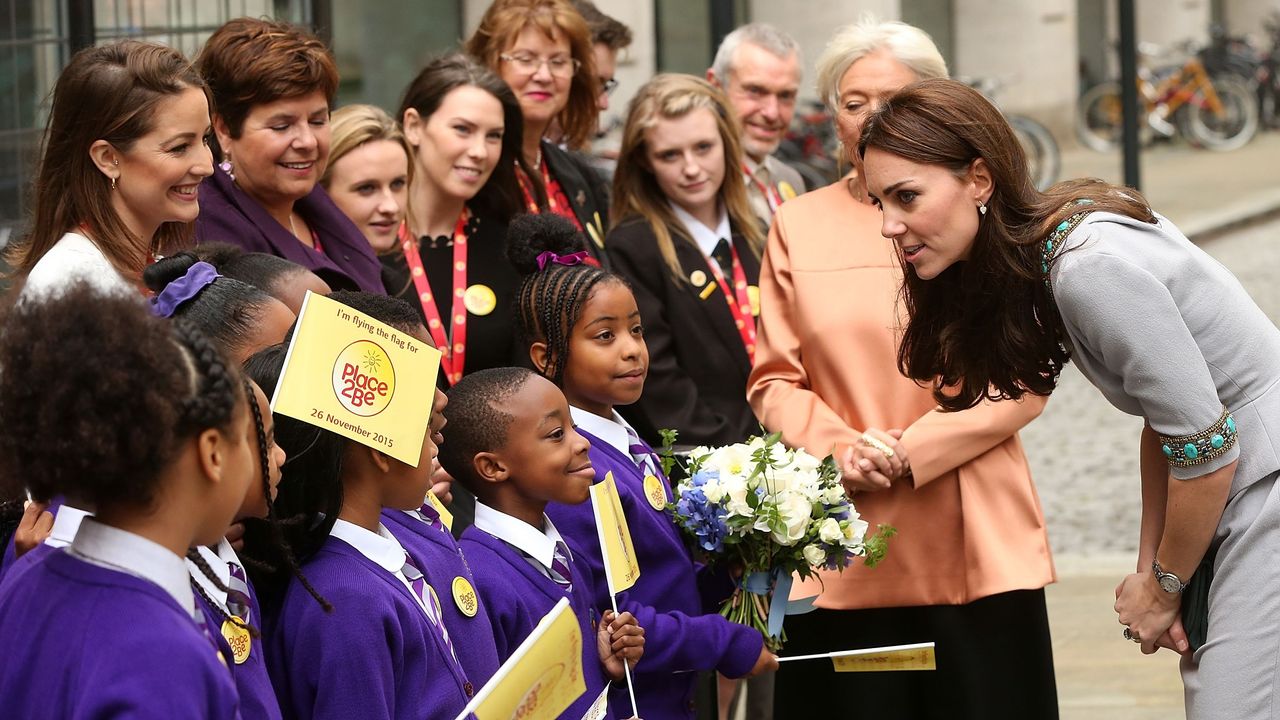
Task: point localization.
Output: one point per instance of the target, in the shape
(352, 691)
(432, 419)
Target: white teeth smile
(468, 171)
(911, 249)
(298, 166)
(185, 189)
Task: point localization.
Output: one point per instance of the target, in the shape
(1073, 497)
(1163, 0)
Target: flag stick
(865, 651)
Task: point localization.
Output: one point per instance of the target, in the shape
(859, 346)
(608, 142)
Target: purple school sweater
(257, 698)
(375, 657)
(667, 600)
(443, 564)
(83, 641)
(517, 596)
(10, 551)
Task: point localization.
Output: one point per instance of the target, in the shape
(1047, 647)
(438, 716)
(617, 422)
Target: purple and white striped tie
(640, 453)
(430, 603)
(560, 571)
(431, 516)
(238, 602)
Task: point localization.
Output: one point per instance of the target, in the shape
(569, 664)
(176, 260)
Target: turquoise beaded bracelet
(1200, 448)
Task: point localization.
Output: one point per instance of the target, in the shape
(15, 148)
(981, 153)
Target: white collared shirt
(706, 238)
(614, 432)
(537, 544)
(65, 525)
(381, 548)
(123, 551)
(217, 561)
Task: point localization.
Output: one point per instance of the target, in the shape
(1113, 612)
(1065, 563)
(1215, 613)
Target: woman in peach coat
(968, 567)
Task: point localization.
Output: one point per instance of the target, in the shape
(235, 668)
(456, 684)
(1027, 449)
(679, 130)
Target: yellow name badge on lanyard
(238, 639)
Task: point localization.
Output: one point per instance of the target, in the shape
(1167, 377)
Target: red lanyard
(525, 190)
(770, 193)
(739, 300)
(454, 346)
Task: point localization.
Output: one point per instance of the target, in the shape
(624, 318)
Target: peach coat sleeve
(940, 442)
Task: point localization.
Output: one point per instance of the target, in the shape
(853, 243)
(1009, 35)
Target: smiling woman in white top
(125, 150)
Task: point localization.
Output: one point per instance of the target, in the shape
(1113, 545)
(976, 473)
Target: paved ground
(1092, 507)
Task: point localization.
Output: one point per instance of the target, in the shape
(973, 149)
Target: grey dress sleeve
(1129, 323)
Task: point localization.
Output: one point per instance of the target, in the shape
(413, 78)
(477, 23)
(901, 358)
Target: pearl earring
(982, 209)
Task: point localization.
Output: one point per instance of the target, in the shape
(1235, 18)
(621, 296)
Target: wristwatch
(1169, 582)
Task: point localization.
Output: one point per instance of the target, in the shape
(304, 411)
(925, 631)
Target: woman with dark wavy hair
(1005, 284)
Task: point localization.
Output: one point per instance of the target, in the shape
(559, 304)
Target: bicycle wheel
(1227, 130)
(1043, 158)
(1099, 117)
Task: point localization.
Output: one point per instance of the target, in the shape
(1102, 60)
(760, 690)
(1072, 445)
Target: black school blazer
(588, 194)
(698, 366)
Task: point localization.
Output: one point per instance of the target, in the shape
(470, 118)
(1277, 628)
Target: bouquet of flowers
(774, 512)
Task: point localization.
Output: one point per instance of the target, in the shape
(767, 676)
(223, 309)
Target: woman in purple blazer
(272, 86)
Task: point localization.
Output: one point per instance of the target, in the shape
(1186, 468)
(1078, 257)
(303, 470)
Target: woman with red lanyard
(690, 246)
(542, 49)
(124, 155)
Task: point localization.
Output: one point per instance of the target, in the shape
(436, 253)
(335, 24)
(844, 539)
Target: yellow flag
(446, 517)
(620, 567)
(364, 380)
(898, 657)
(541, 678)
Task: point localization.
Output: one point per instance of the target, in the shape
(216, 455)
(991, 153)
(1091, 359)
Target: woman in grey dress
(1004, 284)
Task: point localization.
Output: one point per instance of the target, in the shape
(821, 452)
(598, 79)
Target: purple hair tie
(197, 277)
(549, 257)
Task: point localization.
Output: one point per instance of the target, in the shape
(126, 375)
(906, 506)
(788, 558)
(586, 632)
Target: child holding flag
(510, 440)
(584, 333)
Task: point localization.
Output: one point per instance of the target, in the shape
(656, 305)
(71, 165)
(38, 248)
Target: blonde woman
(971, 559)
(369, 172)
(690, 245)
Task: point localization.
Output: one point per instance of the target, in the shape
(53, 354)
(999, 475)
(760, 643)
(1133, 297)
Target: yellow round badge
(656, 494)
(698, 278)
(786, 191)
(753, 295)
(238, 638)
(480, 299)
(465, 597)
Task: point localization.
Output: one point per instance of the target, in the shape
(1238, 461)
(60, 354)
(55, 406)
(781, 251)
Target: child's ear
(490, 467)
(380, 460)
(538, 355)
(211, 454)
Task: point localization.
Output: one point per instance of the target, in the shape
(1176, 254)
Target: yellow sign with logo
(902, 657)
(367, 381)
(621, 569)
(541, 678)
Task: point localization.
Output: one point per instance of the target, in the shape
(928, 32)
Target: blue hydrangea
(704, 520)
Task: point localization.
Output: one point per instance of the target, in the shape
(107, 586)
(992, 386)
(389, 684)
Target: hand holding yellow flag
(620, 567)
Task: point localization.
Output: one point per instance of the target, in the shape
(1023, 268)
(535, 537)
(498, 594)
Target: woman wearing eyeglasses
(542, 49)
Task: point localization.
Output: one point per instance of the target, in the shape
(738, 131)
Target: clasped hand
(1151, 614)
(867, 468)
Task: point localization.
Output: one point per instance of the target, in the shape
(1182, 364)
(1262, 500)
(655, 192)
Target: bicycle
(1216, 113)
(1044, 159)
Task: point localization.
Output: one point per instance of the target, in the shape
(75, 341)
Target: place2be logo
(363, 378)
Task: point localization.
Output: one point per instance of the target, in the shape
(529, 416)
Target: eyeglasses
(526, 64)
(608, 86)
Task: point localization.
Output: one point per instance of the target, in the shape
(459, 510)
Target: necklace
(292, 230)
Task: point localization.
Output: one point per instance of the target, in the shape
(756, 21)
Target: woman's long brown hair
(986, 328)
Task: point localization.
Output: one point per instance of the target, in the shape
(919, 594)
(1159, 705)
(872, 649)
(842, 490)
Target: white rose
(713, 490)
(735, 488)
(806, 462)
(814, 555)
(830, 531)
(795, 511)
(731, 460)
(833, 495)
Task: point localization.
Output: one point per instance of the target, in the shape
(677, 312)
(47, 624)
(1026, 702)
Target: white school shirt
(65, 525)
(123, 551)
(706, 238)
(613, 432)
(382, 549)
(537, 544)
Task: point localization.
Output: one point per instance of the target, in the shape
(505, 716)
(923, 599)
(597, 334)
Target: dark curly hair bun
(165, 270)
(530, 235)
(98, 394)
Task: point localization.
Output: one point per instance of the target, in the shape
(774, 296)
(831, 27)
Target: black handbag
(1195, 601)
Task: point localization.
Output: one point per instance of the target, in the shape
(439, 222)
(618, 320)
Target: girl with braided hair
(153, 434)
(583, 331)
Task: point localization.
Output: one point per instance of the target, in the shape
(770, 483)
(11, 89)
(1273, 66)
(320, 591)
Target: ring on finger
(1129, 634)
(875, 442)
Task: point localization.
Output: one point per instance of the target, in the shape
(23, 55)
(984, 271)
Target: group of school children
(210, 560)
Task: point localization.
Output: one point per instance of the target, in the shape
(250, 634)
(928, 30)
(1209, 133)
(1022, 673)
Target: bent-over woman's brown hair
(635, 189)
(502, 24)
(249, 62)
(105, 93)
(985, 328)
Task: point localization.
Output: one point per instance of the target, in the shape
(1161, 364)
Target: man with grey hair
(759, 68)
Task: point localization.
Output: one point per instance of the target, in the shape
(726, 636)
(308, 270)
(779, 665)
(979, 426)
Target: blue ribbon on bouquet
(760, 582)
